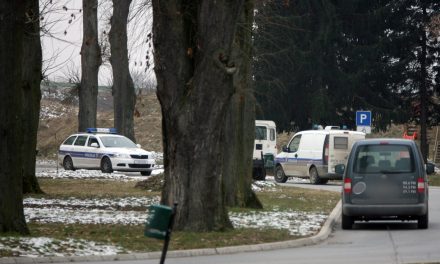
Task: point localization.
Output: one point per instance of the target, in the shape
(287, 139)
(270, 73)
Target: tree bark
(194, 70)
(124, 97)
(240, 123)
(11, 117)
(32, 60)
(90, 62)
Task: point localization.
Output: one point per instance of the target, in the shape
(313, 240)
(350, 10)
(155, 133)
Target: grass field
(131, 237)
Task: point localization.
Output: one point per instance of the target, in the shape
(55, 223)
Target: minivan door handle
(296, 155)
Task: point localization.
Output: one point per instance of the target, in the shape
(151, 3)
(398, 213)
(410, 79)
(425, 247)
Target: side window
(81, 141)
(294, 144)
(91, 141)
(260, 133)
(272, 134)
(69, 141)
(340, 143)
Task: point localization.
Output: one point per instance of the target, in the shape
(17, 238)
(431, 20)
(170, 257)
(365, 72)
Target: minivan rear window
(386, 158)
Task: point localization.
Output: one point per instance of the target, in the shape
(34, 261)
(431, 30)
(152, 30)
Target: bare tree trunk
(90, 62)
(124, 97)
(194, 70)
(11, 117)
(240, 125)
(32, 60)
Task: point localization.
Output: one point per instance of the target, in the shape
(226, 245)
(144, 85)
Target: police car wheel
(106, 165)
(68, 163)
(145, 173)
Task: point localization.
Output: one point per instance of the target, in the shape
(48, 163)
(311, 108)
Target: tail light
(347, 185)
(421, 185)
(326, 153)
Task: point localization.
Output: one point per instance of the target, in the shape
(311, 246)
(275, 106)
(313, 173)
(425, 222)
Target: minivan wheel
(279, 176)
(422, 221)
(314, 176)
(347, 222)
(106, 165)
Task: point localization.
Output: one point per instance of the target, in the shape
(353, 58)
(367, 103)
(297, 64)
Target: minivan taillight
(326, 153)
(420, 185)
(347, 185)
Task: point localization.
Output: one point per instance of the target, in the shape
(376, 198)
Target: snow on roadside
(52, 173)
(49, 247)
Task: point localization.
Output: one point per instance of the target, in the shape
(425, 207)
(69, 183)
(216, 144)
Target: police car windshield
(117, 142)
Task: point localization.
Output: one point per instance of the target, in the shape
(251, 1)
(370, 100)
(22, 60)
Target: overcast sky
(62, 39)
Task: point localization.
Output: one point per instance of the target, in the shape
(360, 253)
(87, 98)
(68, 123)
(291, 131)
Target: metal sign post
(160, 224)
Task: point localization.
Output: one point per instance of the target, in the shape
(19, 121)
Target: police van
(314, 154)
(265, 148)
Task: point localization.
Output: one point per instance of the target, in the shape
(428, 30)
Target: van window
(384, 159)
(340, 143)
(272, 134)
(294, 144)
(260, 133)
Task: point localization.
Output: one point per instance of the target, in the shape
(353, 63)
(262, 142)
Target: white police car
(102, 148)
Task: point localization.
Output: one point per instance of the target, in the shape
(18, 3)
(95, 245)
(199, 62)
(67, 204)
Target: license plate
(140, 162)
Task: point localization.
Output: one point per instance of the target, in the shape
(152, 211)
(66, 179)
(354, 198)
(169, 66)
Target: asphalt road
(373, 242)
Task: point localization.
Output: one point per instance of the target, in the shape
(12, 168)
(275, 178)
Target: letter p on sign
(363, 118)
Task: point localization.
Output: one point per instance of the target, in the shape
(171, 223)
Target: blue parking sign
(363, 118)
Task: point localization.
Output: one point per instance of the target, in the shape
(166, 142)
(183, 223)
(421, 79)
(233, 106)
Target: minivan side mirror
(94, 145)
(285, 148)
(340, 168)
(138, 145)
(430, 168)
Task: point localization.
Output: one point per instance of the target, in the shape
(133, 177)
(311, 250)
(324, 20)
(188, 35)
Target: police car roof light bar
(101, 130)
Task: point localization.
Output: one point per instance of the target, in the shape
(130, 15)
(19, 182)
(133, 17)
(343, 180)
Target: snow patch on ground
(93, 174)
(49, 247)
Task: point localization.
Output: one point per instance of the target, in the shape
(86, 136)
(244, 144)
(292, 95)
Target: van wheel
(422, 221)
(259, 174)
(68, 163)
(347, 222)
(106, 165)
(279, 176)
(314, 176)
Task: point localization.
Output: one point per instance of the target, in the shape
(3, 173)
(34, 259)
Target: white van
(314, 154)
(265, 143)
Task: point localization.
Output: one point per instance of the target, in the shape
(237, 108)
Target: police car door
(78, 154)
(91, 153)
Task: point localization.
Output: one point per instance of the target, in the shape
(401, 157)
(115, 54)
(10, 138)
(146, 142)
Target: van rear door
(384, 174)
(339, 148)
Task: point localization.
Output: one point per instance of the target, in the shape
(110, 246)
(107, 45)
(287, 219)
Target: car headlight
(119, 155)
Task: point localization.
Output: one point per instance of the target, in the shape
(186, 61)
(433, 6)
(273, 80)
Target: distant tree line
(318, 61)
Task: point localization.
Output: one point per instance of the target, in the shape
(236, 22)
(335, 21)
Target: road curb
(308, 241)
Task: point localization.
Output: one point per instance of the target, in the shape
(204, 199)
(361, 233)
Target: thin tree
(11, 117)
(90, 62)
(32, 63)
(124, 97)
(193, 43)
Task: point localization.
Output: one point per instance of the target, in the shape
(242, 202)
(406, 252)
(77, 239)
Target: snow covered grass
(96, 224)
